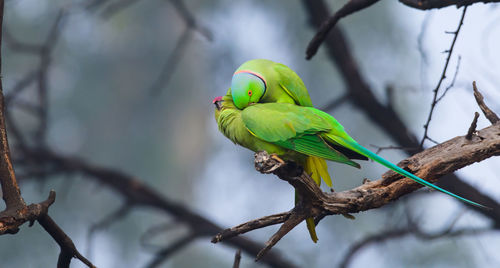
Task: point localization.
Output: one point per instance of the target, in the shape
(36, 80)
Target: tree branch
(361, 95)
(492, 116)
(431, 4)
(136, 193)
(430, 164)
(349, 8)
(68, 249)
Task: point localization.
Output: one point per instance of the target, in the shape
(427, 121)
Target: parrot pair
(268, 108)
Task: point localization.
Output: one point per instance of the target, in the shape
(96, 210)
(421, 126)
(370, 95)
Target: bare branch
(359, 91)
(163, 254)
(106, 222)
(452, 84)
(390, 147)
(139, 194)
(12, 218)
(435, 99)
(492, 116)
(431, 4)
(362, 96)
(251, 225)
(10, 190)
(68, 249)
(190, 20)
(430, 164)
(400, 233)
(349, 8)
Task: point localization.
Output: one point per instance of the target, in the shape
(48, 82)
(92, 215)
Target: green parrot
(262, 80)
(295, 133)
(269, 109)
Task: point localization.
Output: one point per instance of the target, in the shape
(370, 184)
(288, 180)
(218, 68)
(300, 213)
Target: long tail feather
(322, 169)
(316, 167)
(353, 145)
(312, 229)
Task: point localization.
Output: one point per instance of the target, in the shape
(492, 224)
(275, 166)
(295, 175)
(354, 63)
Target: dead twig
(492, 116)
(472, 127)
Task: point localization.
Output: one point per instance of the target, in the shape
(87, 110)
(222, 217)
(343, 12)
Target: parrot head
(247, 87)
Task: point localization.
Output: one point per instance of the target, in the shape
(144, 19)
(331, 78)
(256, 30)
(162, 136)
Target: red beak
(216, 99)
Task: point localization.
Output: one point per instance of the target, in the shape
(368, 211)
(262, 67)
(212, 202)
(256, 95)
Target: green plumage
(269, 109)
(283, 84)
(288, 129)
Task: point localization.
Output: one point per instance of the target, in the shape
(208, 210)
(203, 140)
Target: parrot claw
(277, 158)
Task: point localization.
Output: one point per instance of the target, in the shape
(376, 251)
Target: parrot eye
(250, 93)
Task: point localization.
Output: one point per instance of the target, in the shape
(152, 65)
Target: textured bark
(430, 164)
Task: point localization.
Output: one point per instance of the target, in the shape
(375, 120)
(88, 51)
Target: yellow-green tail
(316, 168)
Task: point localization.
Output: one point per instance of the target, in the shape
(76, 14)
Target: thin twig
(165, 253)
(452, 84)
(390, 147)
(443, 76)
(68, 249)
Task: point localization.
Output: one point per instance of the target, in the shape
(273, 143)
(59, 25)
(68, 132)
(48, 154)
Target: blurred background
(129, 86)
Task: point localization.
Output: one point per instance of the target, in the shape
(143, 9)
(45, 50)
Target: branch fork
(430, 164)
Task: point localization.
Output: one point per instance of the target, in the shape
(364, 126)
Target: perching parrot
(262, 80)
(288, 126)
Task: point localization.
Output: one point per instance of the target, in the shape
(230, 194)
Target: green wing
(293, 85)
(293, 127)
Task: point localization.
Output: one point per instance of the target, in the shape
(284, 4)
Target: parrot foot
(266, 163)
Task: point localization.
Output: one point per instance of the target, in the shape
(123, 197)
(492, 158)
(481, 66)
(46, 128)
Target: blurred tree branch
(431, 4)
(350, 7)
(353, 6)
(17, 212)
(137, 194)
(411, 228)
(38, 162)
(175, 56)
